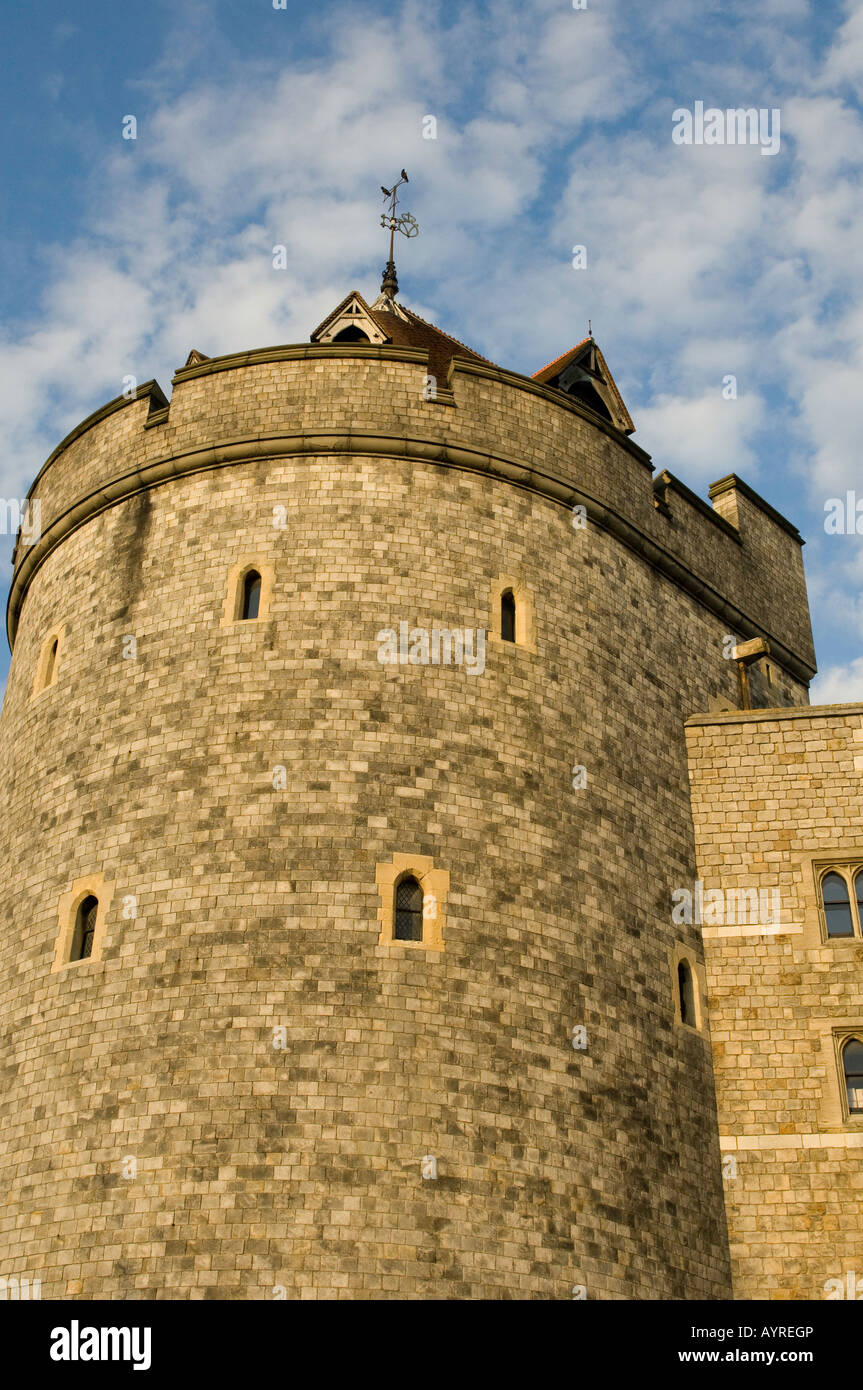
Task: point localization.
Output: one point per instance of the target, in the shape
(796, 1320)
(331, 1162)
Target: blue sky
(259, 126)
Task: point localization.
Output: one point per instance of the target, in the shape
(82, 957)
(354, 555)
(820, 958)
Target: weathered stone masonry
(775, 794)
(255, 908)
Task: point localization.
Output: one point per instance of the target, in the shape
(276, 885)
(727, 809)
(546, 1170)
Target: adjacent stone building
(776, 801)
(346, 803)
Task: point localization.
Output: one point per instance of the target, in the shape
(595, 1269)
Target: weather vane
(405, 224)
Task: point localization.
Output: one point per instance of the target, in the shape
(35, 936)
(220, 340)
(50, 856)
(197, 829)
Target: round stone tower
(344, 795)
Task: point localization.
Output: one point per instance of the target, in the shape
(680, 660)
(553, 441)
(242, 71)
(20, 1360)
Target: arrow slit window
(507, 616)
(686, 993)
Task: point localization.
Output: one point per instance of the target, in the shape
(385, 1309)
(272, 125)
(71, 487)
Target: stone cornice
(450, 455)
(298, 352)
(159, 408)
(770, 716)
(464, 365)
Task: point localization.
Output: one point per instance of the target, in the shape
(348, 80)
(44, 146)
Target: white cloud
(845, 62)
(704, 437)
(839, 685)
(702, 261)
(185, 218)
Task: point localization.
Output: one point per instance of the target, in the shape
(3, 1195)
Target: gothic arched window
(409, 910)
(507, 615)
(686, 993)
(85, 926)
(837, 905)
(852, 1063)
(251, 594)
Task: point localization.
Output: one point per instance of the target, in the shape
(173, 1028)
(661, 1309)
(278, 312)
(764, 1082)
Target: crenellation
(219, 414)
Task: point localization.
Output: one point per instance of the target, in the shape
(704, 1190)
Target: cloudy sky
(259, 126)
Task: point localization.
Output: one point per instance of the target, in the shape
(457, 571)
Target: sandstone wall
(776, 794)
(257, 907)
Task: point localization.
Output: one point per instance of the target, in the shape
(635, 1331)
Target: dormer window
(351, 334)
(583, 374)
(352, 322)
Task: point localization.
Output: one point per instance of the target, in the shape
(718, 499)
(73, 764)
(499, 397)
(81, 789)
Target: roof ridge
(446, 335)
(352, 294)
(555, 360)
(612, 384)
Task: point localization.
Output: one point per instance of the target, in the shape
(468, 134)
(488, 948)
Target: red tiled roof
(417, 333)
(413, 332)
(553, 369)
(558, 360)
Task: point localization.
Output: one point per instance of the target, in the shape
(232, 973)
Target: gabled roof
(388, 321)
(352, 314)
(195, 357)
(559, 363)
(583, 373)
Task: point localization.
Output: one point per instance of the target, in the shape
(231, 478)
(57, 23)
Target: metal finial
(405, 224)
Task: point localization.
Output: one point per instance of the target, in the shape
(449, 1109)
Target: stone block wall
(240, 785)
(776, 797)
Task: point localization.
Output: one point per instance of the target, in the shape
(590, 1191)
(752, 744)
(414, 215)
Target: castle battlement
(742, 560)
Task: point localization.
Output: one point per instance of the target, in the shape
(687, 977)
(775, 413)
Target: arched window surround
(684, 956)
(235, 592)
(524, 617)
(68, 922)
(852, 1072)
(49, 661)
(434, 883)
(835, 1108)
(850, 871)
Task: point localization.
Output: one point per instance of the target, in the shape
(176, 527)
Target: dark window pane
(507, 616)
(852, 1060)
(351, 334)
(52, 658)
(837, 908)
(85, 926)
(859, 891)
(409, 911)
(251, 594)
(686, 993)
